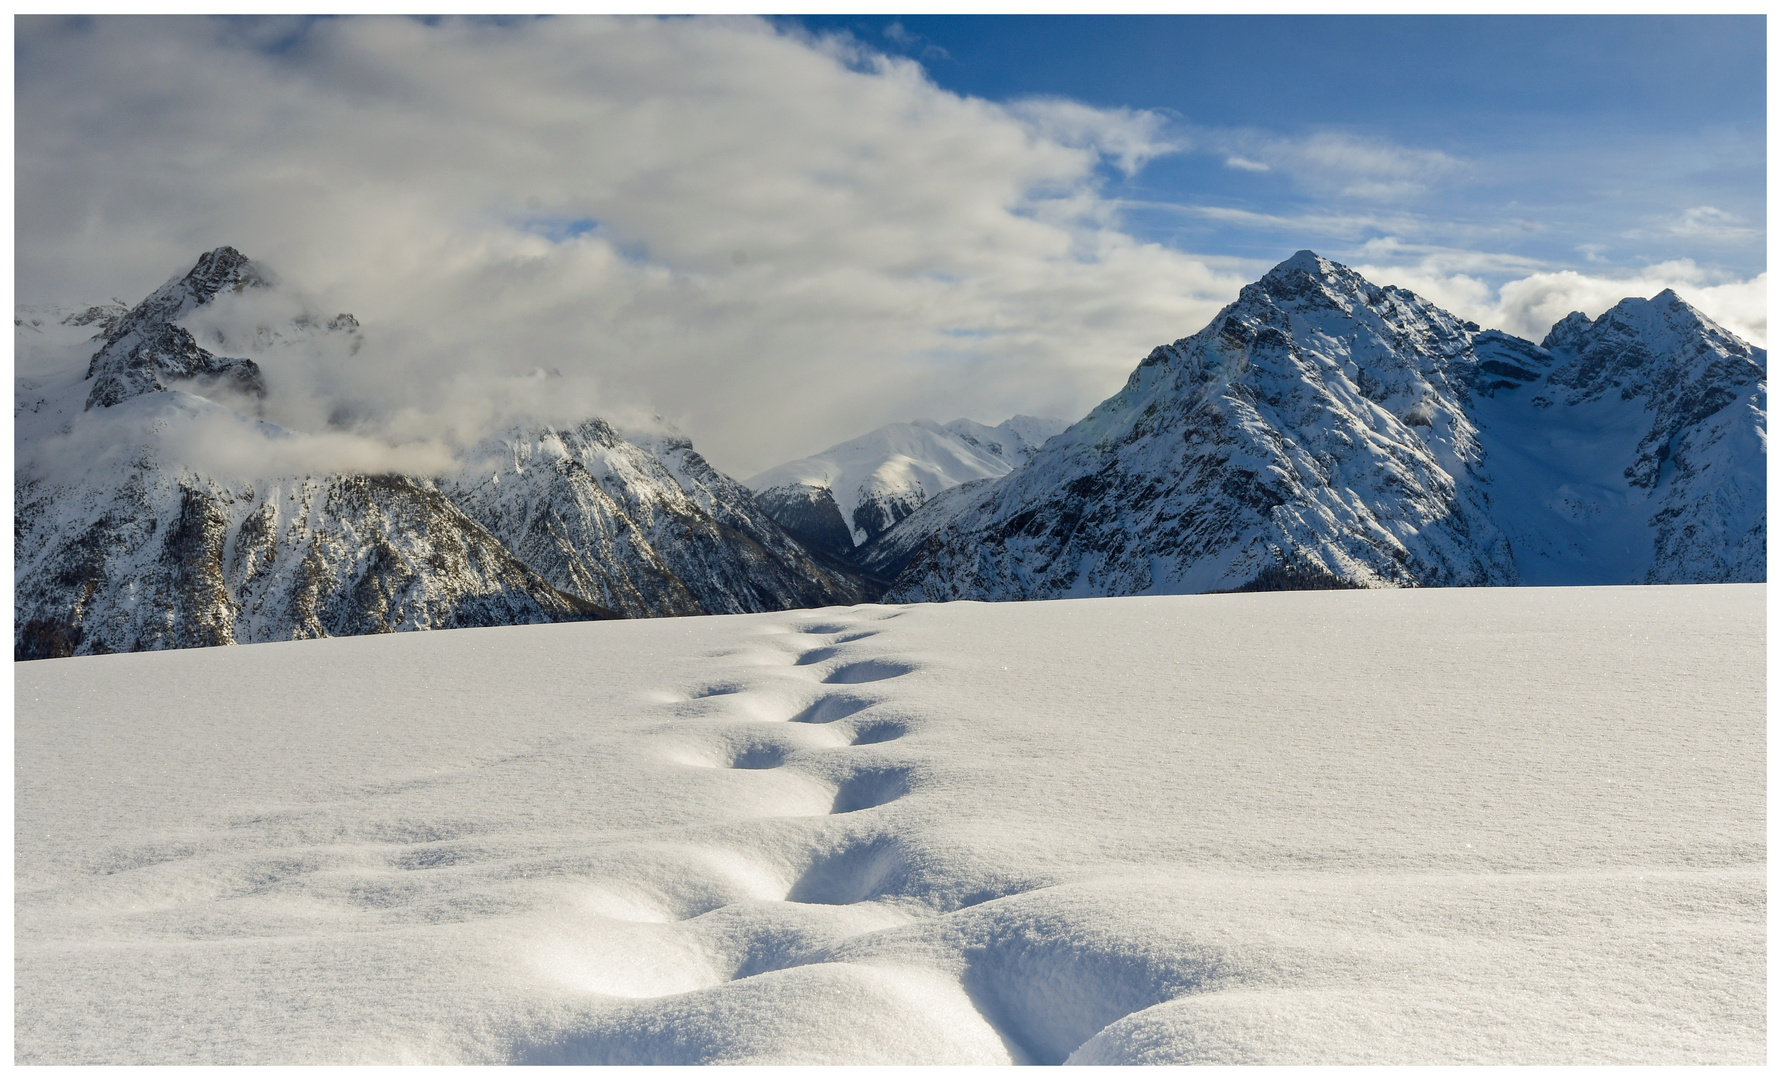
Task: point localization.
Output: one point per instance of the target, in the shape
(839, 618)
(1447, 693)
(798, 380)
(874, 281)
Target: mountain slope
(1315, 432)
(1323, 431)
(647, 533)
(1645, 452)
(141, 553)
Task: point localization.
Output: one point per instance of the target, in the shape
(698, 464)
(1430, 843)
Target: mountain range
(1320, 432)
(121, 543)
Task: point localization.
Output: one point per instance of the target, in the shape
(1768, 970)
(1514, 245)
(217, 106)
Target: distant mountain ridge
(851, 493)
(1325, 432)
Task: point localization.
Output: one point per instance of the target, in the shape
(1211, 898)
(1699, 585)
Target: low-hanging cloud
(775, 242)
(212, 440)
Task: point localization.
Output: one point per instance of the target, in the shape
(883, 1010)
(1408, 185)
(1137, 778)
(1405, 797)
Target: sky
(779, 234)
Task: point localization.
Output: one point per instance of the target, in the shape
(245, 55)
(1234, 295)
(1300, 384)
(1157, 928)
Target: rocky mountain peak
(220, 270)
(144, 351)
(1567, 332)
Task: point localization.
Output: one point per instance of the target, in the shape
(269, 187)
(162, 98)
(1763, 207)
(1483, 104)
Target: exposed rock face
(645, 529)
(156, 557)
(1323, 432)
(809, 513)
(144, 351)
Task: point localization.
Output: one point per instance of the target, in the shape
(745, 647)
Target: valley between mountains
(1320, 432)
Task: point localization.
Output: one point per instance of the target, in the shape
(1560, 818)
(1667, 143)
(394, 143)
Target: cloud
(900, 34)
(1335, 163)
(1710, 223)
(762, 236)
(1130, 136)
(218, 442)
(1528, 305)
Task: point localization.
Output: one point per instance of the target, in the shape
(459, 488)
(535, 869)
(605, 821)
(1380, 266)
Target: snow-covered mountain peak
(1310, 281)
(1661, 324)
(852, 492)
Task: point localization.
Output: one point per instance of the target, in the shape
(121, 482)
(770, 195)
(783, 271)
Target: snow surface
(1416, 826)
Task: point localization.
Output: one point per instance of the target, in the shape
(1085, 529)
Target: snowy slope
(1642, 457)
(1323, 431)
(854, 491)
(1402, 826)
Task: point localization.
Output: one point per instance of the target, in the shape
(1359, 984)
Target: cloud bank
(1530, 304)
(775, 241)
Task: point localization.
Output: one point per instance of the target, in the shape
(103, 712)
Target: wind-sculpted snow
(1480, 826)
(853, 492)
(1324, 432)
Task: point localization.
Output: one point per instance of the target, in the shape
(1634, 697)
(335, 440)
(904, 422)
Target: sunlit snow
(1415, 826)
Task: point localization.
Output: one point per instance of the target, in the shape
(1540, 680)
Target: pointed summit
(145, 351)
(1305, 259)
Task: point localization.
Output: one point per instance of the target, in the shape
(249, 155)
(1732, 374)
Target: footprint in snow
(865, 671)
(716, 690)
(855, 872)
(869, 788)
(882, 732)
(830, 708)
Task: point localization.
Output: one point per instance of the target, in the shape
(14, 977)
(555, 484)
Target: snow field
(1420, 826)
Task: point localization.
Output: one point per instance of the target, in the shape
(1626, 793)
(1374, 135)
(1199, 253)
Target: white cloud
(1130, 136)
(1334, 163)
(765, 237)
(1530, 304)
(1711, 223)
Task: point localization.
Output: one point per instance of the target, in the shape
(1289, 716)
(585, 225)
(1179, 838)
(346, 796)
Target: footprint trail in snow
(1424, 826)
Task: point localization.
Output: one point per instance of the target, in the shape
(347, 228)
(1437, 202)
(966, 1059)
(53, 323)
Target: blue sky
(1569, 140)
